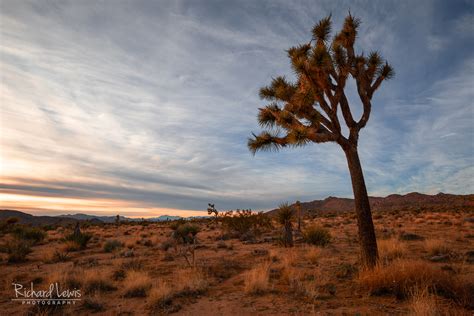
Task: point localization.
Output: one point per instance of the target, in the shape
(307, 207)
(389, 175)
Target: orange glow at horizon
(42, 205)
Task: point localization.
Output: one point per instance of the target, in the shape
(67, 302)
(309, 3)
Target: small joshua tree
(285, 217)
(117, 220)
(212, 210)
(77, 230)
(298, 212)
(309, 110)
(185, 246)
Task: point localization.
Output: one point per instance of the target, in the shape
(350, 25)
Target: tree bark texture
(367, 239)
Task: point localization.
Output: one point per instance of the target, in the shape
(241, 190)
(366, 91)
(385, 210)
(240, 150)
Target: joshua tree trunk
(288, 235)
(298, 210)
(77, 230)
(367, 240)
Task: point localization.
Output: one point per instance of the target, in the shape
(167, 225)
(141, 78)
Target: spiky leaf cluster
(307, 110)
(285, 214)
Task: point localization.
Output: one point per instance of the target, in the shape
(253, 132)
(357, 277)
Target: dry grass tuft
(312, 254)
(160, 295)
(191, 282)
(257, 279)
(136, 284)
(96, 280)
(436, 247)
(289, 258)
(66, 278)
(423, 303)
(403, 277)
(55, 255)
(392, 248)
(186, 282)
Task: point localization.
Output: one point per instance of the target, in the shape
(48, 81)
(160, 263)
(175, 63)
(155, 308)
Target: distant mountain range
(394, 202)
(111, 219)
(25, 218)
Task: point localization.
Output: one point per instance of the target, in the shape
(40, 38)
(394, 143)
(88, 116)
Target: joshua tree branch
(346, 111)
(367, 106)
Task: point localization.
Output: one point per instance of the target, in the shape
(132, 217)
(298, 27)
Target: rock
(247, 237)
(440, 258)
(128, 253)
(221, 244)
(330, 288)
(260, 252)
(267, 239)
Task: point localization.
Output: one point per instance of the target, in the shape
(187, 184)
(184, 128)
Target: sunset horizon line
(101, 207)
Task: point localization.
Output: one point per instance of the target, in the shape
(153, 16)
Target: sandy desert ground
(426, 268)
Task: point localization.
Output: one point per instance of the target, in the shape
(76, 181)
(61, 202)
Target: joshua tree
(77, 230)
(285, 217)
(298, 211)
(212, 210)
(307, 110)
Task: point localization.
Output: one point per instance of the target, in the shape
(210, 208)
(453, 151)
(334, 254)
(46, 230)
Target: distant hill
(24, 218)
(103, 219)
(393, 202)
(111, 219)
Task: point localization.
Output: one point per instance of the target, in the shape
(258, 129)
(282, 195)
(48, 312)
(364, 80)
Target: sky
(144, 107)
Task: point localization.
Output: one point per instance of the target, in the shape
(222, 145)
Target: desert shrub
(257, 279)
(12, 220)
(17, 251)
(317, 236)
(79, 240)
(112, 245)
(186, 233)
(175, 224)
(7, 224)
(245, 222)
(59, 256)
(49, 227)
(136, 284)
(119, 274)
(31, 234)
(403, 277)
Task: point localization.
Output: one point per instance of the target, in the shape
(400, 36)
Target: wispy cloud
(150, 103)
